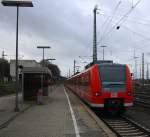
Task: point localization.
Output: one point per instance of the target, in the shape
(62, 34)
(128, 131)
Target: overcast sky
(67, 26)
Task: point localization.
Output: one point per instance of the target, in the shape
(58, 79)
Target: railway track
(142, 103)
(124, 127)
(145, 96)
(121, 126)
(142, 99)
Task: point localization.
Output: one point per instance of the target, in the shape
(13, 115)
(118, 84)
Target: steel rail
(121, 125)
(124, 127)
(142, 103)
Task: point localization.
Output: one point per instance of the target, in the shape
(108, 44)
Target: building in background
(4, 70)
(23, 63)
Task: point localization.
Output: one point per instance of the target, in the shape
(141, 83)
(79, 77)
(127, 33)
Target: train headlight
(129, 93)
(98, 94)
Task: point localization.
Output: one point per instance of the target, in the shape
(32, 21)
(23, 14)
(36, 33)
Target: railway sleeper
(125, 128)
(127, 131)
(122, 126)
(132, 134)
(121, 122)
(136, 136)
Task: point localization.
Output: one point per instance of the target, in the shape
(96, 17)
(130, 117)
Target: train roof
(100, 63)
(114, 64)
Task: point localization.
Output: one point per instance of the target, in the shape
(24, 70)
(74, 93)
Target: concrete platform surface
(7, 105)
(54, 119)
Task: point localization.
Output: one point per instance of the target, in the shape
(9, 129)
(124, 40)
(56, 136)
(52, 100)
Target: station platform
(61, 115)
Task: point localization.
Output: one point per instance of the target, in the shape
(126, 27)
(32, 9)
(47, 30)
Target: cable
(134, 20)
(121, 19)
(110, 20)
(107, 21)
(137, 33)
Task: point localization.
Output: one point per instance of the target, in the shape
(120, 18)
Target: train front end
(115, 87)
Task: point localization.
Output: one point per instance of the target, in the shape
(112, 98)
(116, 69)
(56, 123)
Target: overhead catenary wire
(108, 21)
(132, 3)
(137, 33)
(141, 21)
(133, 7)
(144, 38)
(120, 20)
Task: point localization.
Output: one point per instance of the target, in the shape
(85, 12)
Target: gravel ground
(140, 115)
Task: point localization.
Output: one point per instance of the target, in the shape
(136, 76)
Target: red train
(104, 85)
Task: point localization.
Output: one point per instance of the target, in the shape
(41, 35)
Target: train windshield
(113, 77)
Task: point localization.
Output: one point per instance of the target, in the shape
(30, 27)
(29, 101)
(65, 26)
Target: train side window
(86, 80)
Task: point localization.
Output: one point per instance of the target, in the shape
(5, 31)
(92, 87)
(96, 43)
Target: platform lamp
(17, 4)
(50, 60)
(103, 46)
(43, 48)
(43, 65)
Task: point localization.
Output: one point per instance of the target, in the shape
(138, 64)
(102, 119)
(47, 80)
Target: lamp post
(103, 50)
(77, 67)
(3, 73)
(17, 3)
(95, 36)
(51, 60)
(135, 67)
(143, 69)
(43, 47)
(74, 67)
(43, 64)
